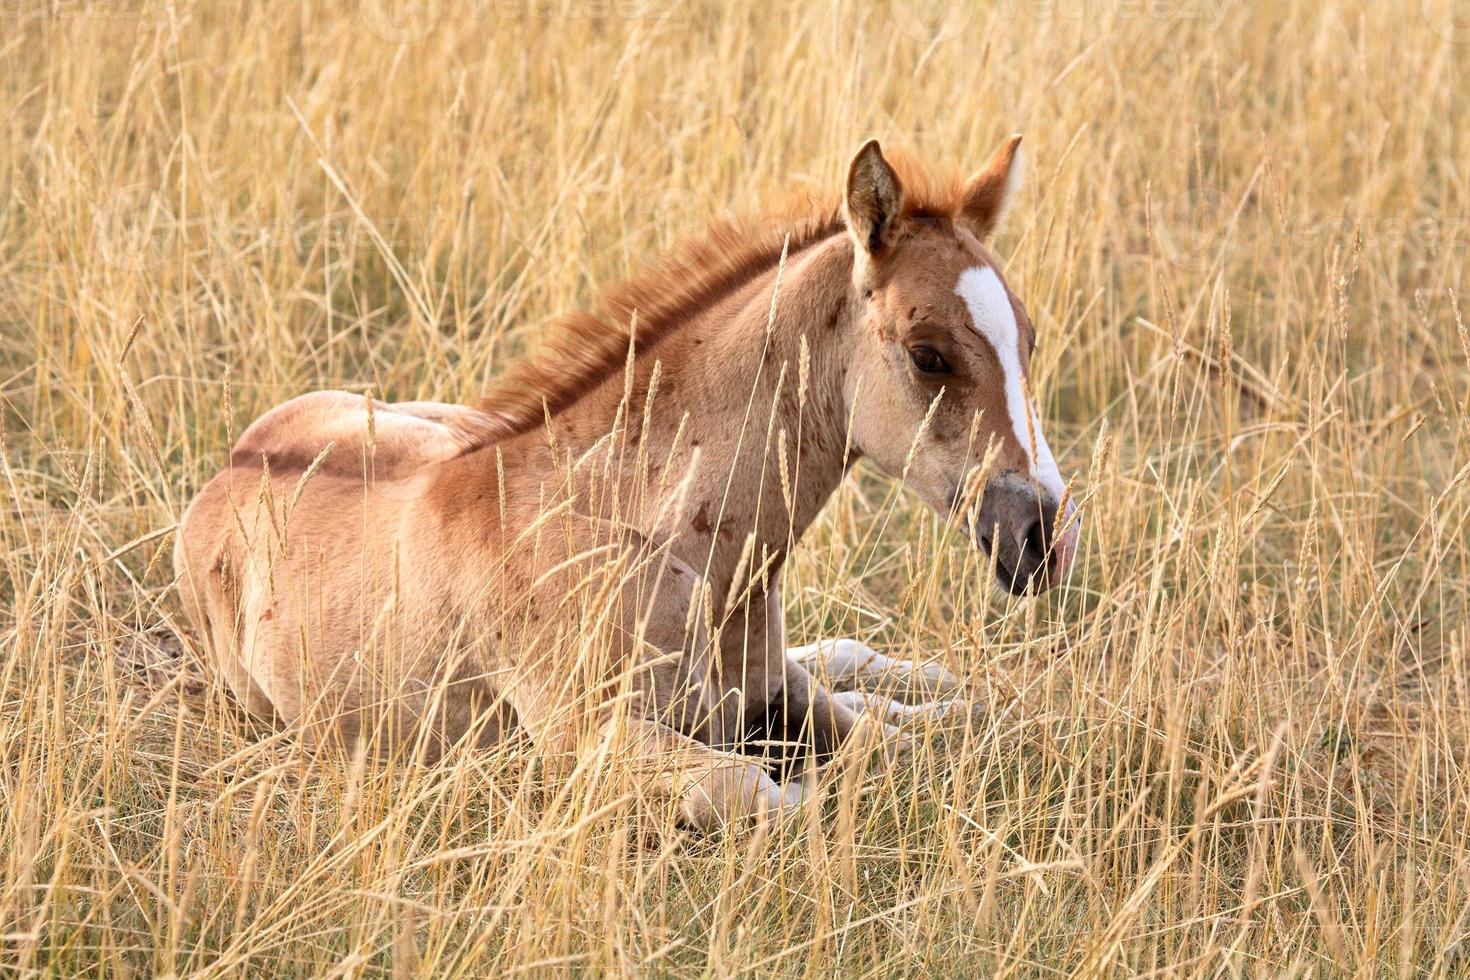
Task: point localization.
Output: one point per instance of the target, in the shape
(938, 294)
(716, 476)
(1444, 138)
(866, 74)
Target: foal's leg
(897, 712)
(847, 664)
(834, 722)
(714, 788)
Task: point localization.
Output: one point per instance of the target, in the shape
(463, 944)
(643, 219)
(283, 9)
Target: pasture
(1233, 742)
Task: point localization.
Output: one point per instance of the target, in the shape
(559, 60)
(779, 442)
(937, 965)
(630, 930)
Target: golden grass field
(1235, 743)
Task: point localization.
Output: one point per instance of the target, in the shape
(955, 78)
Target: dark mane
(581, 350)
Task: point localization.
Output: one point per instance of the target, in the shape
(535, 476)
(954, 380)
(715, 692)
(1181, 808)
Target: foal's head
(943, 354)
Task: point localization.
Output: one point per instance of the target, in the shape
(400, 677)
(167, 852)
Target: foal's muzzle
(1017, 526)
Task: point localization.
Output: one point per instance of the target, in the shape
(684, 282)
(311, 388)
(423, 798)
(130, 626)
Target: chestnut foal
(602, 536)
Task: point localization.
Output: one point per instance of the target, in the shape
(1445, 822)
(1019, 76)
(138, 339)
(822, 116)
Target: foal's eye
(928, 360)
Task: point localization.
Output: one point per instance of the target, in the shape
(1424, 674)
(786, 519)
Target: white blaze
(995, 320)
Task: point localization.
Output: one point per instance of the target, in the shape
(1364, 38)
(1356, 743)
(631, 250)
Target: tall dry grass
(1235, 743)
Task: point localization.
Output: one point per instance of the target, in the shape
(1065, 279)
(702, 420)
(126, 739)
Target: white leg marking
(848, 662)
(930, 680)
(840, 660)
(896, 712)
(855, 701)
(799, 789)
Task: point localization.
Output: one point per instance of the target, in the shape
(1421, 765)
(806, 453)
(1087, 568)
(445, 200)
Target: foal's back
(289, 564)
(398, 438)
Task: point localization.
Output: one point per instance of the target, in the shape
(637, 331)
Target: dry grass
(1235, 743)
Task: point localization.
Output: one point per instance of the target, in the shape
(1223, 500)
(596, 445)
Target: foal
(604, 532)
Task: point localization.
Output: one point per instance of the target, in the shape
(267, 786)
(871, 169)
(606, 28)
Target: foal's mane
(580, 350)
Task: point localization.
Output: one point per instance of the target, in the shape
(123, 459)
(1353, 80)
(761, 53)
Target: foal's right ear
(991, 192)
(874, 196)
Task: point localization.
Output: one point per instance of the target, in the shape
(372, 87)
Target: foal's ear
(990, 193)
(874, 196)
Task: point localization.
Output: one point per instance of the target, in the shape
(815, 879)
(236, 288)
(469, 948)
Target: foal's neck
(735, 394)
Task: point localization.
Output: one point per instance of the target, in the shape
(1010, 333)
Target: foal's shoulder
(398, 437)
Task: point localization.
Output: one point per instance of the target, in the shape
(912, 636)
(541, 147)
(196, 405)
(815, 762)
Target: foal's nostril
(1036, 536)
(1036, 548)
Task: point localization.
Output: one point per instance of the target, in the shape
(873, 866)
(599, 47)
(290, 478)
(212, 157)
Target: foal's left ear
(874, 197)
(990, 193)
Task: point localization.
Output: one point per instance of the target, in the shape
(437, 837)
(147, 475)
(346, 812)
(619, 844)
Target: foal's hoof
(872, 734)
(955, 711)
(735, 797)
(898, 746)
(935, 681)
